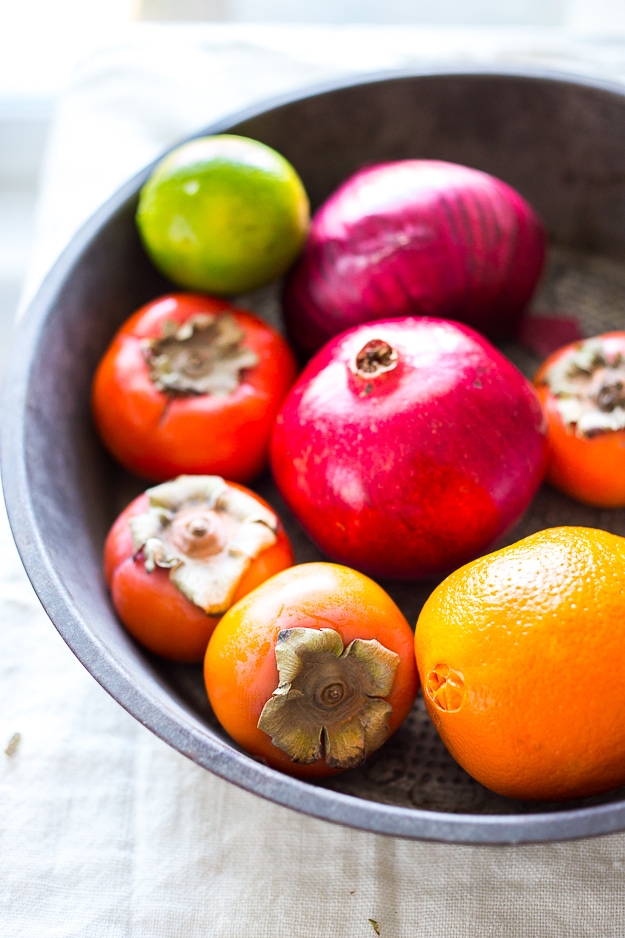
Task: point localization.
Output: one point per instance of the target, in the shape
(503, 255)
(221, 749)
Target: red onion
(416, 237)
(408, 446)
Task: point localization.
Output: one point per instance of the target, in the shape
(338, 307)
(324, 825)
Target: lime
(223, 214)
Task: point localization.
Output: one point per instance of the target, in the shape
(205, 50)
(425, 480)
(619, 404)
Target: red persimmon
(183, 552)
(191, 384)
(582, 391)
(313, 670)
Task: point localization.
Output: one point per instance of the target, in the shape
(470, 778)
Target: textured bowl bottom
(414, 769)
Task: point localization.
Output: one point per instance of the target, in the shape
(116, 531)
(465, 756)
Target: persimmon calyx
(589, 388)
(329, 702)
(206, 533)
(204, 355)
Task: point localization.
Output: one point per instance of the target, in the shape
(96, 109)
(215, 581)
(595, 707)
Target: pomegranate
(408, 446)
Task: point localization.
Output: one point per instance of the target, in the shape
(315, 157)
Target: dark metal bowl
(561, 142)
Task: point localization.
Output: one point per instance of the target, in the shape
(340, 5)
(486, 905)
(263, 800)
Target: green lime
(223, 214)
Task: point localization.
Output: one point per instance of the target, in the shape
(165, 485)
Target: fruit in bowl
(223, 214)
(512, 650)
(181, 553)
(408, 446)
(582, 390)
(191, 384)
(313, 670)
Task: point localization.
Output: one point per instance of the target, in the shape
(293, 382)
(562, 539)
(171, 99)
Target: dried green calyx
(204, 355)
(206, 533)
(329, 699)
(589, 387)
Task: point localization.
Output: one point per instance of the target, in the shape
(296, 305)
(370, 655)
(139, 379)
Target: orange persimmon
(313, 670)
(581, 388)
(170, 566)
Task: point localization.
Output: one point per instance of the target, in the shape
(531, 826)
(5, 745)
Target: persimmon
(182, 552)
(581, 387)
(520, 655)
(313, 670)
(191, 384)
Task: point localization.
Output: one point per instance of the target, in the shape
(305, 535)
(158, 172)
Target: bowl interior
(560, 142)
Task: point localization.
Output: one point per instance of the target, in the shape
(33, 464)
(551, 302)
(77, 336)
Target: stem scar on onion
(329, 700)
(206, 533)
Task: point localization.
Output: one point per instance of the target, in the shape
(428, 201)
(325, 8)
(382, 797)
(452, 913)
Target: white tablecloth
(104, 830)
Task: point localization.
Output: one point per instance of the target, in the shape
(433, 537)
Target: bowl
(560, 140)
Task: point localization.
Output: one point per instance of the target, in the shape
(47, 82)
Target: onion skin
(418, 469)
(415, 237)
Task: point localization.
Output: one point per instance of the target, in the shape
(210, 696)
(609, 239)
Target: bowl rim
(110, 671)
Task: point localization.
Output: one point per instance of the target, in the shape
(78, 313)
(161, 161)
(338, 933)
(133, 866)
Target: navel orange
(521, 655)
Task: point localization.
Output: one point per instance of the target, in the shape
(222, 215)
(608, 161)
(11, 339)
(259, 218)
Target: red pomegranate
(408, 446)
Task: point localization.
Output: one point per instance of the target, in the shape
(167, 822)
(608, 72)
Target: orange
(223, 214)
(521, 655)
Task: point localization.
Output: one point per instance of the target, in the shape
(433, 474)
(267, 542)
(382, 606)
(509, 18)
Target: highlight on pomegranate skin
(408, 446)
(416, 237)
